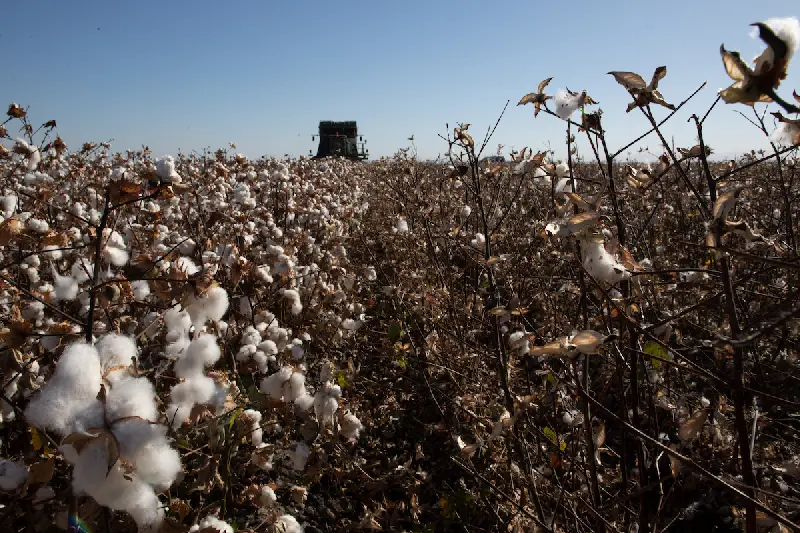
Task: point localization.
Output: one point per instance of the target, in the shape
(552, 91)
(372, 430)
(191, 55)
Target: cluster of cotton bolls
(124, 475)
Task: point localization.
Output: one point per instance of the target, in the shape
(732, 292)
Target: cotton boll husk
(68, 400)
(12, 474)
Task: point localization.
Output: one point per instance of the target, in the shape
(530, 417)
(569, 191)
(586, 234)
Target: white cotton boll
(131, 397)
(111, 488)
(68, 400)
(786, 29)
(298, 352)
(602, 265)
(115, 351)
(563, 186)
(295, 387)
(214, 523)
(157, 464)
(165, 170)
(294, 298)
(566, 104)
(141, 289)
(466, 211)
(300, 456)
(401, 226)
(186, 265)
(273, 385)
(177, 321)
(262, 461)
(212, 305)
(479, 241)
(304, 402)
(562, 170)
(12, 474)
(43, 494)
(8, 204)
(371, 274)
(350, 426)
(288, 524)
(246, 352)
(256, 433)
(52, 252)
(82, 270)
(786, 134)
(197, 390)
(268, 347)
(202, 351)
(326, 404)
(33, 312)
(116, 256)
(266, 497)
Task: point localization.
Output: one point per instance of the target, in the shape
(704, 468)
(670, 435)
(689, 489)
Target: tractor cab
(340, 139)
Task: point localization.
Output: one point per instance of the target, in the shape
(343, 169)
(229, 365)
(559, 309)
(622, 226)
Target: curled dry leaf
(691, 428)
(725, 203)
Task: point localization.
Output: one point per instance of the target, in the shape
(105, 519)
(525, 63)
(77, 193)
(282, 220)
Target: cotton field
(523, 342)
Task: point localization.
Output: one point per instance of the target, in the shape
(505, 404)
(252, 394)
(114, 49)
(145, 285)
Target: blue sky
(188, 75)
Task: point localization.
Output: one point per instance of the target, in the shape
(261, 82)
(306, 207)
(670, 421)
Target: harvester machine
(340, 139)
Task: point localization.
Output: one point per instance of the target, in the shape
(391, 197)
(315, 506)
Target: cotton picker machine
(340, 139)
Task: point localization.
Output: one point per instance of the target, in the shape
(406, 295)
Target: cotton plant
(109, 421)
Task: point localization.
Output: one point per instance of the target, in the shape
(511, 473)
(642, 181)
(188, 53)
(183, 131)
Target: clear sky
(193, 74)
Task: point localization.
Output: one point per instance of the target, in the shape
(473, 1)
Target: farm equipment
(340, 139)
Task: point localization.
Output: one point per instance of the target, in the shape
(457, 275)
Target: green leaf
(395, 331)
(233, 418)
(551, 379)
(550, 434)
(341, 379)
(656, 351)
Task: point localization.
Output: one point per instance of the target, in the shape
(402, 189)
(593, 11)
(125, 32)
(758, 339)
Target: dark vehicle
(340, 139)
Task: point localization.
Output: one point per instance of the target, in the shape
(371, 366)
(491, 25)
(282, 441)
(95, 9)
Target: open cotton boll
(566, 104)
(64, 287)
(285, 384)
(177, 321)
(68, 401)
(213, 523)
(116, 256)
(157, 464)
(115, 351)
(12, 474)
(266, 497)
(288, 524)
(131, 396)
(113, 488)
(256, 434)
(141, 289)
(300, 456)
(326, 403)
(562, 170)
(203, 351)
(198, 390)
(294, 299)
(82, 270)
(350, 426)
(602, 265)
(563, 186)
(212, 305)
